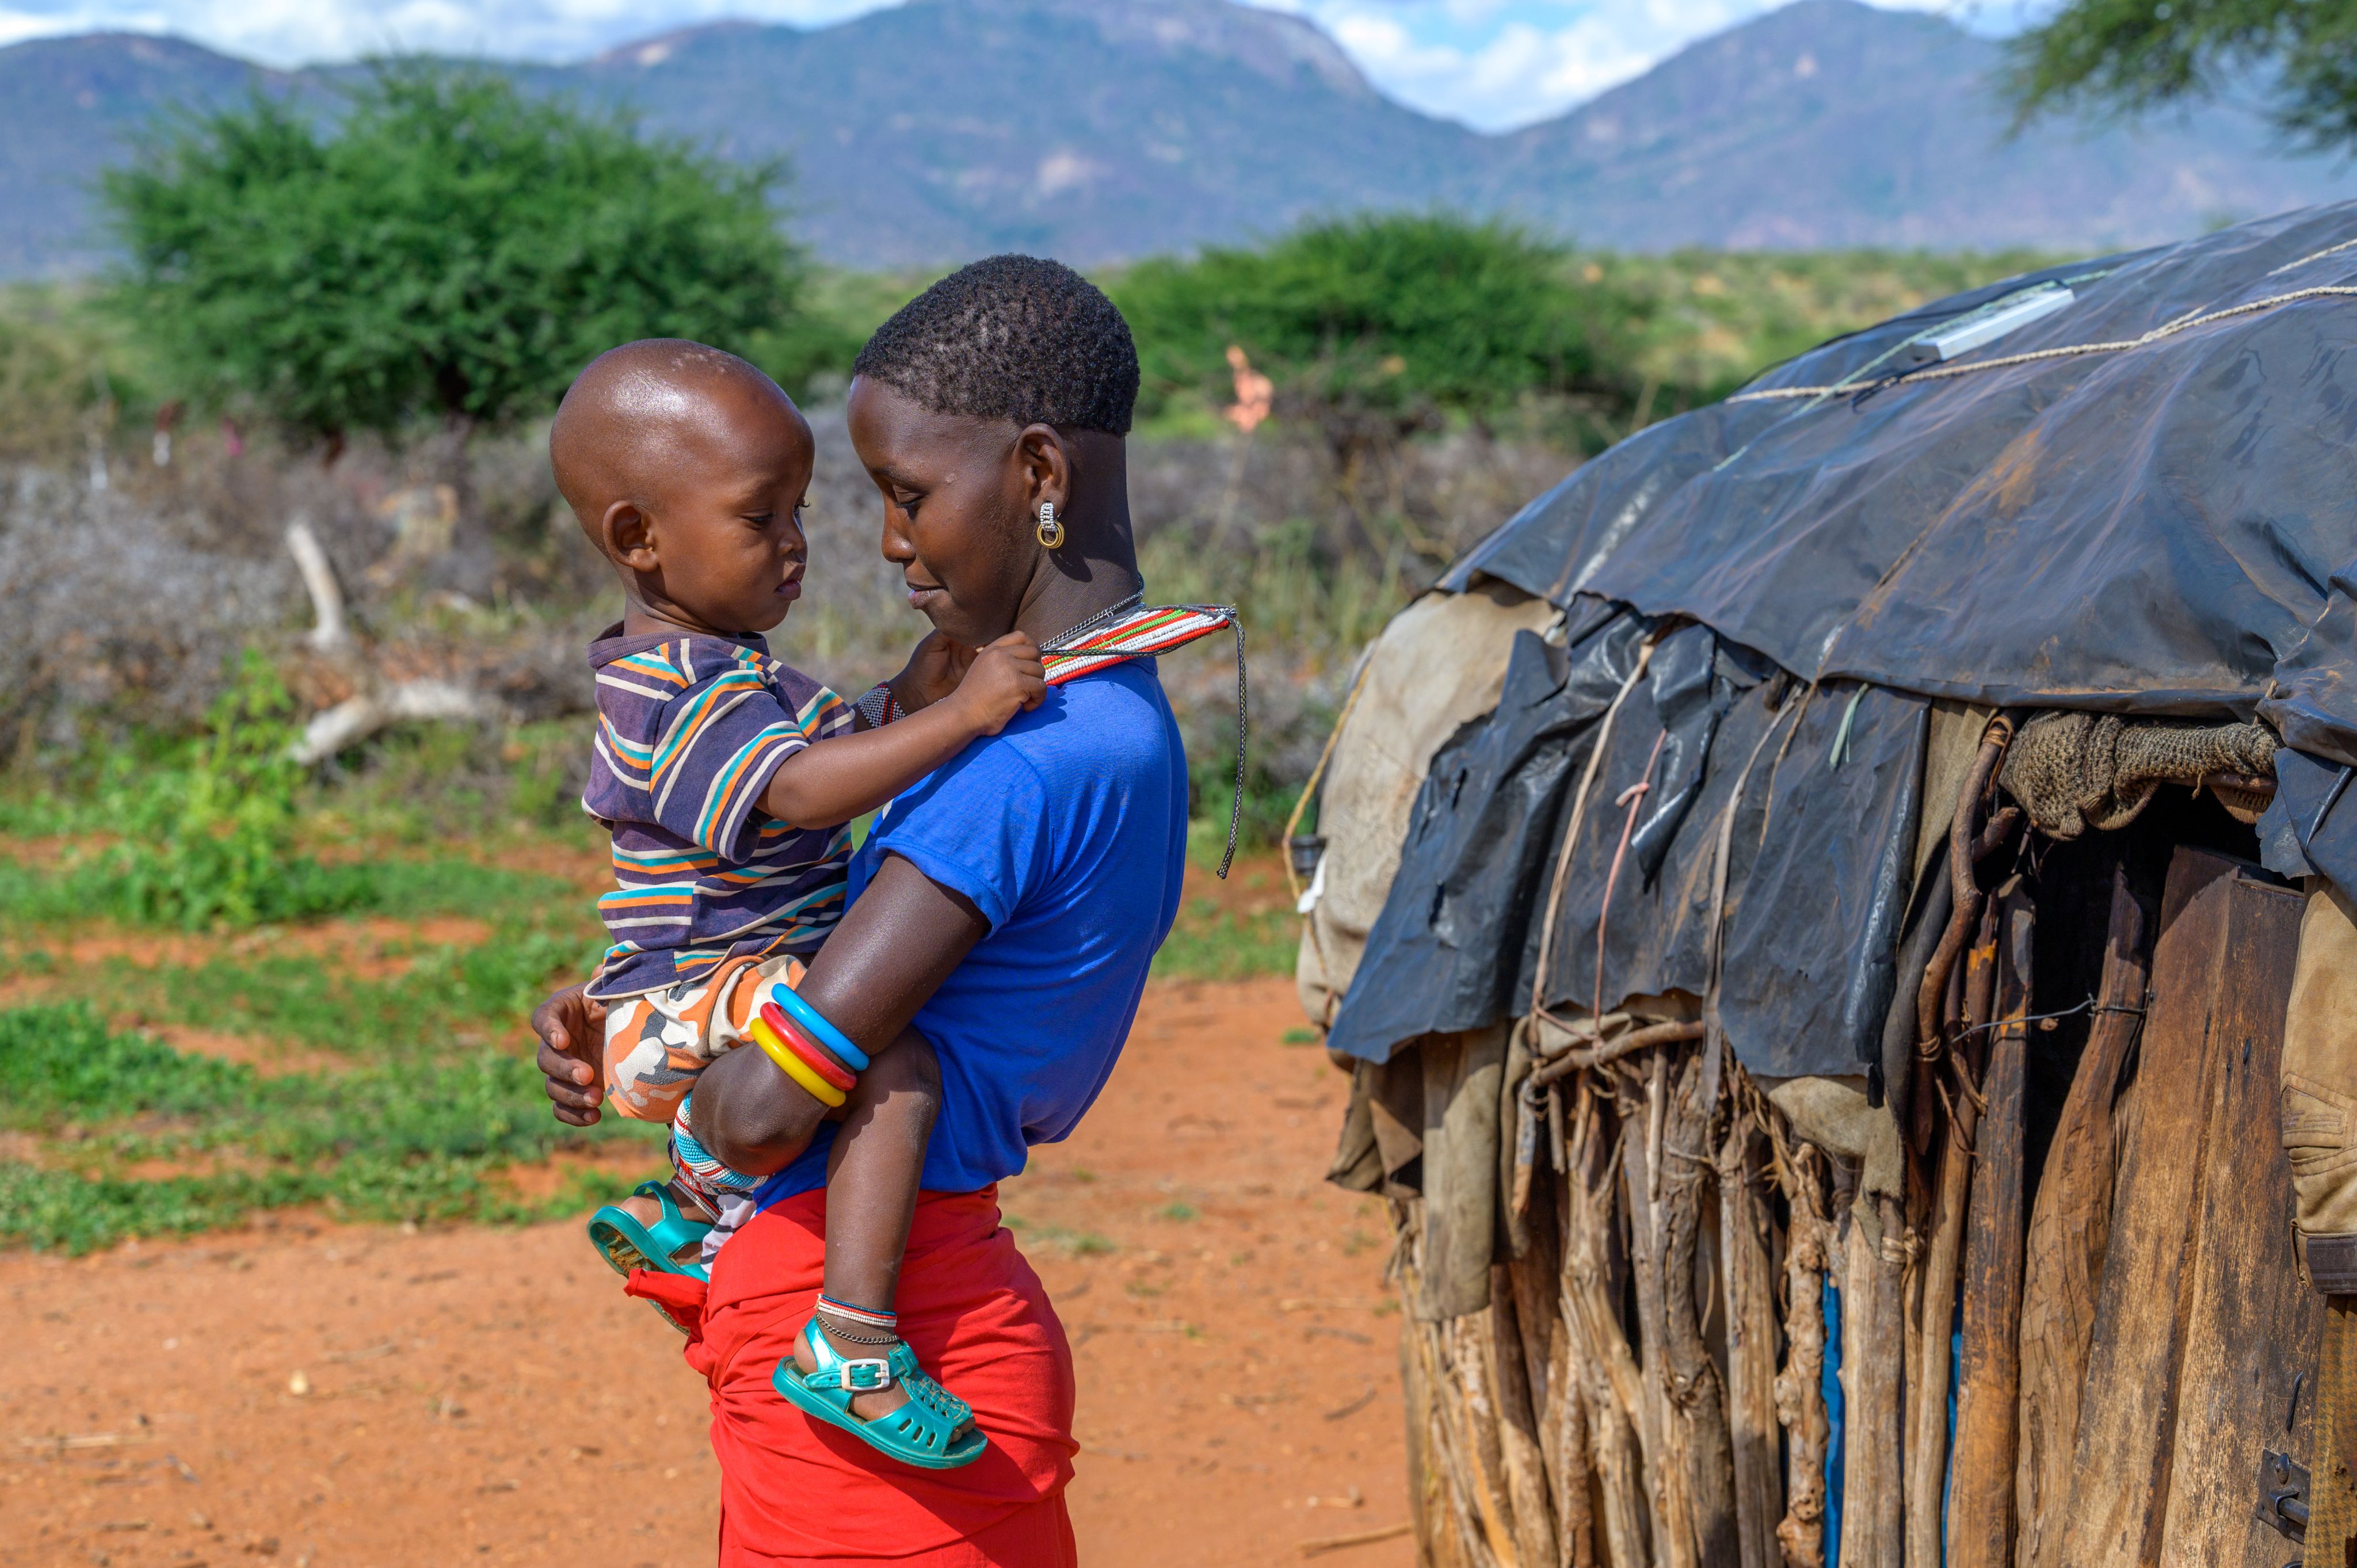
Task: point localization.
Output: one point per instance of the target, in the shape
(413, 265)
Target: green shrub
(209, 838)
(1389, 317)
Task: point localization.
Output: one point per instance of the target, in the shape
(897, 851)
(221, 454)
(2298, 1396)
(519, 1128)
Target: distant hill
(1106, 129)
(1830, 123)
(67, 107)
(1095, 128)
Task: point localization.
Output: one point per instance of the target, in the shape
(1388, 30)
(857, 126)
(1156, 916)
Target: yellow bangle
(792, 1066)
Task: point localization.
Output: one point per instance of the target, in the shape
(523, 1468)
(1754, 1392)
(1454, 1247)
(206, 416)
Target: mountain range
(1100, 130)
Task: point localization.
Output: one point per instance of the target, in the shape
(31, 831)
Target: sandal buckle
(854, 1377)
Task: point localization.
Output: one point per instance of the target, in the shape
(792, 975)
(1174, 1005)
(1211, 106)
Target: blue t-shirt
(1068, 829)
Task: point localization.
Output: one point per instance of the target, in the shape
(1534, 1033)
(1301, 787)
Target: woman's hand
(934, 668)
(572, 1030)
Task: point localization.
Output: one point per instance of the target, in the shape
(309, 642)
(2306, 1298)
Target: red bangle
(814, 1054)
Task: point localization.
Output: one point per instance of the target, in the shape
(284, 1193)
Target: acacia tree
(439, 251)
(2138, 55)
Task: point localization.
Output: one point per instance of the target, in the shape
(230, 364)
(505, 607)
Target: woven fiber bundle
(2073, 771)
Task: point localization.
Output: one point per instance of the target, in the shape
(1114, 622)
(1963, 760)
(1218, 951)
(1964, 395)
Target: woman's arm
(891, 952)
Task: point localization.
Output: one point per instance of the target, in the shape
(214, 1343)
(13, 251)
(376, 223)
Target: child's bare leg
(871, 1197)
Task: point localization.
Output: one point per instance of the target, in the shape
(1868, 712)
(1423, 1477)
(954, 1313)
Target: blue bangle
(828, 1035)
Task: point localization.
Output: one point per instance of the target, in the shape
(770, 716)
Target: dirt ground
(309, 1393)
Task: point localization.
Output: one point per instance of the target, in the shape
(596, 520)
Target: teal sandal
(627, 1244)
(934, 1431)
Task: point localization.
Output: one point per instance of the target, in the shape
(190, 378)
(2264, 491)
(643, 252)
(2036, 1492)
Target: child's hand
(1001, 680)
(935, 667)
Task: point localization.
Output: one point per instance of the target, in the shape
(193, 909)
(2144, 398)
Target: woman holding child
(994, 935)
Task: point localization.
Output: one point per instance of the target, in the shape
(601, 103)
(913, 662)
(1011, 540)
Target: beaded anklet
(867, 1315)
(887, 1321)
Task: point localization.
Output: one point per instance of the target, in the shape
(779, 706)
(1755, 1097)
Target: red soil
(480, 1395)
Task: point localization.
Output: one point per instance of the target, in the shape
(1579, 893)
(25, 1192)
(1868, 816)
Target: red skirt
(795, 1491)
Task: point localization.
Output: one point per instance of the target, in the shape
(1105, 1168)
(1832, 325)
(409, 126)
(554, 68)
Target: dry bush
(121, 610)
(132, 600)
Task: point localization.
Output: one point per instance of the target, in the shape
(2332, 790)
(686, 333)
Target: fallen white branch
(378, 703)
(355, 719)
(329, 634)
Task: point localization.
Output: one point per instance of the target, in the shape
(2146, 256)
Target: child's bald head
(666, 450)
(642, 416)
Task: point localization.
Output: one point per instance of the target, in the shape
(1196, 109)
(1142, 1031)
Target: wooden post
(2070, 1230)
(1887, 1413)
(1449, 1533)
(1746, 1277)
(1873, 1500)
(1574, 1474)
(1800, 1398)
(1481, 1437)
(1536, 1282)
(1610, 1387)
(1980, 1499)
(1697, 1395)
(1927, 1447)
(2120, 1470)
(1522, 1457)
(2253, 1326)
(1669, 1472)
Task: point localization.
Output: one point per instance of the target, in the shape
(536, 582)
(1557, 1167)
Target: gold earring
(1051, 532)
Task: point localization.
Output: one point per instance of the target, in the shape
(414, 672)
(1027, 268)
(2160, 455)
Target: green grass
(541, 929)
(1212, 943)
(437, 1096)
(446, 994)
(1078, 1244)
(416, 1134)
(401, 889)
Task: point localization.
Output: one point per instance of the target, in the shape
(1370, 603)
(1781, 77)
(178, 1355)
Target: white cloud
(298, 32)
(1497, 64)
(1494, 64)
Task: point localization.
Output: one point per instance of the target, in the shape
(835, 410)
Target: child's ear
(629, 537)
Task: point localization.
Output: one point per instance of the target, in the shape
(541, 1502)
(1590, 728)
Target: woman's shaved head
(643, 415)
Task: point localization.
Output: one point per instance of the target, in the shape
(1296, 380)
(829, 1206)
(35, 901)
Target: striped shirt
(690, 732)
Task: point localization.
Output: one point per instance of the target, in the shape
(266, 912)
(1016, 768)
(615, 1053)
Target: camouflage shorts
(656, 1045)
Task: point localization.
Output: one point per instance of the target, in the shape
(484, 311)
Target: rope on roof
(2168, 329)
(2315, 256)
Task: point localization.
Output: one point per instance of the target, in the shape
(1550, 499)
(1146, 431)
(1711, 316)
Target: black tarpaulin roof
(2143, 503)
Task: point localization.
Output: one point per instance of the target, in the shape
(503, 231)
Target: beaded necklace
(1130, 630)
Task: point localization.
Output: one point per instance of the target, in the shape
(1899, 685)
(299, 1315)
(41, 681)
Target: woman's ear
(1046, 466)
(629, 536)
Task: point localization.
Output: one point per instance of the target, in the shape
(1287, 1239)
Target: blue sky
(1491, 63)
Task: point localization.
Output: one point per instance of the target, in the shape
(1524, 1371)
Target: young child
(727, 779)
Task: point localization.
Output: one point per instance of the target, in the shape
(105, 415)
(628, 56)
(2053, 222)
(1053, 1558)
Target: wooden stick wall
(1715, 1349)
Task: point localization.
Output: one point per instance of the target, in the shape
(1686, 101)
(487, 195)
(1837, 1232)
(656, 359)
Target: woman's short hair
(1014, 338)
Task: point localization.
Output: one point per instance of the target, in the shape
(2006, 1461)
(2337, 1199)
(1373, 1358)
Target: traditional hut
(1839, 915)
